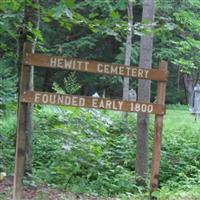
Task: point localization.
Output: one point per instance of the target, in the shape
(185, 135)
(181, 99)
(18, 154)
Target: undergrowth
(93, 152)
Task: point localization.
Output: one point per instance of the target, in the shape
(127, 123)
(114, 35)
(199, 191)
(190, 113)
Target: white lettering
(120, 104)
(114, 105)
(128, 71)
(79, 64)
(108, 104)
(132, 106)
(53, 62)
(82, 101)
(74, 101)
(106, 68)
(140, 73)
(101, 104)
(94, 103)
(137, 107)
(150, 108)
(60, 99)
(68, 64)
(121, 70)
(67, 100)
(52, 99)
(144, 108)
(45, 98)
(37, 97)
(74, 64)
(99, 67)
(113, 69)
(134, 72)
(146, 73)
(60, 62)
(86, 66)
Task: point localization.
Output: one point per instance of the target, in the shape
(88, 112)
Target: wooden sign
(94, 67)
(91, 102)
(27, 97)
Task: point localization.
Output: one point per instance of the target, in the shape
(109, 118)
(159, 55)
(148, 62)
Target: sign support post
(21, 129)
(160, 99)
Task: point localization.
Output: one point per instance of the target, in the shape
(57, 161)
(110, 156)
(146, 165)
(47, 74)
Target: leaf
(69, 3)
(68, 13)
(114, 15)
(121, 5)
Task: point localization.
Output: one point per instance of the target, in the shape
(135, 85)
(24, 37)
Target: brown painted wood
(41, 60)
(21, 130)
(91, 102)
(161, 91)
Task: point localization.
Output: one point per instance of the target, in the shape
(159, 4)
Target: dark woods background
(86, 150)
(96, 30)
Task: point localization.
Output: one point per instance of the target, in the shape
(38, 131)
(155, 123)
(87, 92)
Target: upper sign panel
(41, 60)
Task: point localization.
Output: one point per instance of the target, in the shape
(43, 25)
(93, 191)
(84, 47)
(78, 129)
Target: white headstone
(132, 96)
(95, 95)
(196, 108)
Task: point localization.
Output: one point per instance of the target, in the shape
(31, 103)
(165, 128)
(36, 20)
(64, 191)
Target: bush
(90, 151)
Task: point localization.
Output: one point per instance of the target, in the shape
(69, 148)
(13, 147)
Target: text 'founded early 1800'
(91, 102)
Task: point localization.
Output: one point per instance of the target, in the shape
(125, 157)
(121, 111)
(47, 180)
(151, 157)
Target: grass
(180, 159)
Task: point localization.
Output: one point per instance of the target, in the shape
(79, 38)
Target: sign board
(93, 67)
(91, 102)
(56, 62)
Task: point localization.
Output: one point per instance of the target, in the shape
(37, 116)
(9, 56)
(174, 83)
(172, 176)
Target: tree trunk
(23, 159)
(128, 48)
(146, 47)
(48, 81)
(189, 87)
(31, 15)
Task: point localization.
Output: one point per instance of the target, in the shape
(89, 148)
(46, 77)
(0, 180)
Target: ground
(41, 193)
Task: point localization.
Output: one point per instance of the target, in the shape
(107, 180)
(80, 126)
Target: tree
(25, 111)
(128, 48)
(146, 47)
(31, 20)
(178, 42)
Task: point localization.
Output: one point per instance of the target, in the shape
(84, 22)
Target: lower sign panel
(91, 102)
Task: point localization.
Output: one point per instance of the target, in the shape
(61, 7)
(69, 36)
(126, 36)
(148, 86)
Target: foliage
(71, 85)
(99, 159)
(7, 139)
(7, 85)
(97, 30)
(87, 151)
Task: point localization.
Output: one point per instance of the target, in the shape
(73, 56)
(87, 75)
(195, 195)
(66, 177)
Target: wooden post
(21, 128)
(161, 90)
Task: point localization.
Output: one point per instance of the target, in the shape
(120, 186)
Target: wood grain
(91, 102)
(161, 92)
(75, 64)
(21, 129)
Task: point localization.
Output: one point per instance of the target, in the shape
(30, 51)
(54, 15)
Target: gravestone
(95, 95)
(132, 96)
(196, 108)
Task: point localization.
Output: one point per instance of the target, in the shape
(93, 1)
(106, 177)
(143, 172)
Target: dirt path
(41, 193)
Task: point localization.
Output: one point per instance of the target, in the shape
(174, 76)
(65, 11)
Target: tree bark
(31, 15)
(23, 159)
(189, 87)
(128, 48)
(146, 47)
(48, 81)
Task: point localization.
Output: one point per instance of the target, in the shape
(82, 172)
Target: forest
(71, 150)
